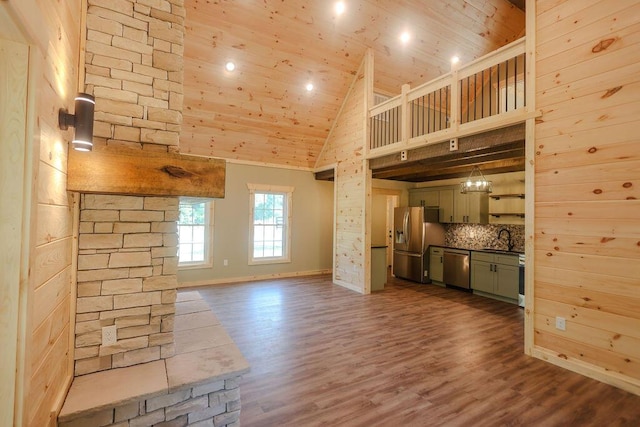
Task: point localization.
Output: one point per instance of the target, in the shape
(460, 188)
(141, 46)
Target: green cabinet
(446, 205)
(423, 197)
(471, 208)
(495, 274)
(454, 207)
(436, 272)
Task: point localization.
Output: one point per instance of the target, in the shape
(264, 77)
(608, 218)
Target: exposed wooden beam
(501, 150)
(143, 173)
(520, 4)
(326, 175)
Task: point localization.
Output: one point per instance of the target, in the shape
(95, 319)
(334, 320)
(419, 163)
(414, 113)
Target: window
(270, 219)
(195, 226)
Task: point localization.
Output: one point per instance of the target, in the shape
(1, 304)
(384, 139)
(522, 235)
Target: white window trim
(253, 188)
(208, 247)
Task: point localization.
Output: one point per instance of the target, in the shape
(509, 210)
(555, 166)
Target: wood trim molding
(229, 280)
(588, 370)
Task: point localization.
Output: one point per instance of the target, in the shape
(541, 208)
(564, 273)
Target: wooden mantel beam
(143, 173)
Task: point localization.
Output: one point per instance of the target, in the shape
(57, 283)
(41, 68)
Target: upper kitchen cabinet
(446, 205)
(440, 197)
(471, 208)
(454, 207)
(423, 197)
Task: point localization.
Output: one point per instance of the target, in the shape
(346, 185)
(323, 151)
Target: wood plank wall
(587, 180)
(345, 149)
(54, 29)
(14, 67)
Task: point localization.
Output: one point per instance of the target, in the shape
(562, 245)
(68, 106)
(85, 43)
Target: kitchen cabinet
(470, 208)
(436, 264)
(496, 275)
(446, 204)
(454, 207)
(423, 197)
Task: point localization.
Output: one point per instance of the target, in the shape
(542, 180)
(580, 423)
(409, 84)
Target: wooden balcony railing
(486, 88)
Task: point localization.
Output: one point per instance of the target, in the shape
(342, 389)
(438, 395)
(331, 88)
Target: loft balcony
(486, 94)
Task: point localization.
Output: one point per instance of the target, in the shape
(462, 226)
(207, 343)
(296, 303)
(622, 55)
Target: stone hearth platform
(198, 386)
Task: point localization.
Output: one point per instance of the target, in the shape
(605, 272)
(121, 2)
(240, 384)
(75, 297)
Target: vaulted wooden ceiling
(261, 112)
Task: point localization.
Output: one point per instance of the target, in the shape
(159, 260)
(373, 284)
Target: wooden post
(454, 119)
(530, 142)
(404, 115)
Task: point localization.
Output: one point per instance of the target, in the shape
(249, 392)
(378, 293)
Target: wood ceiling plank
(279, 45)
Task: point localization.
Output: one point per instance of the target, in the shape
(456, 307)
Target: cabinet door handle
(440, 260)
(490, 267)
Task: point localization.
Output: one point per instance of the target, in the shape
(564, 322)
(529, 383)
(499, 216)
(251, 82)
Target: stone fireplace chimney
(127, 266)
(127, 245)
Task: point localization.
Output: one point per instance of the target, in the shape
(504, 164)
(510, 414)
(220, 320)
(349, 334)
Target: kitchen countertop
(493, 250)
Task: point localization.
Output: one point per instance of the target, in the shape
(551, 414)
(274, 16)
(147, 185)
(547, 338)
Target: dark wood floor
(411, 355)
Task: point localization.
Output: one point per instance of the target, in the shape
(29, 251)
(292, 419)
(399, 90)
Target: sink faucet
(510, 244)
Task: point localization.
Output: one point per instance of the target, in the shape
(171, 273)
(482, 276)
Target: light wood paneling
(53, 30)
(261, 112)
(14, 61)
(345, 147)
(587, 203)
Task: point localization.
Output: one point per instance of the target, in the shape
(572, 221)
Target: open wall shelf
(507, 196)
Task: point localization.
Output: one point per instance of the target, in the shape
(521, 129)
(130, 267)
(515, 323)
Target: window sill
(269, 261)
(195, 266)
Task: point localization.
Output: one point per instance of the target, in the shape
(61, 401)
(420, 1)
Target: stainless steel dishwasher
(456, 268)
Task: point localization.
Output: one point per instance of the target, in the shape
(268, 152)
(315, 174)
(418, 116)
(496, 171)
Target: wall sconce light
(82, 120)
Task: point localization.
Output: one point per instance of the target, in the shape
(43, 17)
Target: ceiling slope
(262, 112)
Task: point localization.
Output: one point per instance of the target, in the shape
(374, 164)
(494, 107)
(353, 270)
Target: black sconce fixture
(82, 120)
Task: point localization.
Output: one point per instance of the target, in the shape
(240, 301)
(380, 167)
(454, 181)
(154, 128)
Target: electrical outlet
(561, 323)
(453, 144)
(403, 155)
(225, 262)
(109, 336)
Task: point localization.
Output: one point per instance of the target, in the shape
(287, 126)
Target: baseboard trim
(349, 286)
(623, 382)
(227, 280)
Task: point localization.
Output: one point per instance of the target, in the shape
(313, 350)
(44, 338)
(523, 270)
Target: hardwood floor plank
(411, 355)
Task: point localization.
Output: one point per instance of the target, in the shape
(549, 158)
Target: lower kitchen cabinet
(436, 271)
(495, 274)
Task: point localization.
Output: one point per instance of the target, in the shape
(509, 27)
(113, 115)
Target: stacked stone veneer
(127, 277)
(213, 404)
(134, 68)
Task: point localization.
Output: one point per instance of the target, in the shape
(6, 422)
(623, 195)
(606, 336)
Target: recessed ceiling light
(405, 37)
(230, 66)
(309, 87)
(455, 59)
(340, 7)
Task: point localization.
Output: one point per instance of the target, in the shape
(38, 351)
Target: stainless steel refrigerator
(415, 229)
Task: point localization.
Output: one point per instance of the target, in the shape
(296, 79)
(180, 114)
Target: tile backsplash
(479, 236)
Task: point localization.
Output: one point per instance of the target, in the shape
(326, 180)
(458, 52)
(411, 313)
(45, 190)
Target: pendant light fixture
(476, 183)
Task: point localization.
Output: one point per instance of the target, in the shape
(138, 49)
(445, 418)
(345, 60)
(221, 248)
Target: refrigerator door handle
(405, 229)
